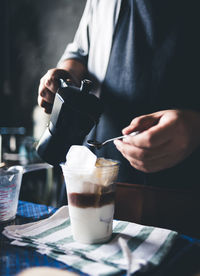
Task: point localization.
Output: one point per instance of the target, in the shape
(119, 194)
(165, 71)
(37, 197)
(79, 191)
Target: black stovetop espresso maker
(75, 112)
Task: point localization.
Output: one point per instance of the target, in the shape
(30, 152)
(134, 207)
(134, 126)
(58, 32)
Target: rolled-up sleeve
(79, 48)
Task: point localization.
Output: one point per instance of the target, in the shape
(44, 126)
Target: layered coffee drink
(90, 192)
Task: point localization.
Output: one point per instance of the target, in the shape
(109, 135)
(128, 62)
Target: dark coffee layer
(90, 200)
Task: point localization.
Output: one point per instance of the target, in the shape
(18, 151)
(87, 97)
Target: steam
(42, 29)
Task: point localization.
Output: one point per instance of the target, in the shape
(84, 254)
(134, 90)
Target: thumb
(143, 122)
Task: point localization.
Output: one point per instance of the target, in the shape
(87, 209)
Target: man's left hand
(166, 138)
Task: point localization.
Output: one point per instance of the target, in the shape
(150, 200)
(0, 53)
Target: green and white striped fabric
(132, 247)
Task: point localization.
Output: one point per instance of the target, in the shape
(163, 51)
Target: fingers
(142, 123)
(151, 138)
(45, 105)
(46, 94)
(162, 145)
(45, 98)
(156, 129)
(52, 77)
(147, 160)
(153, 166)
(49, 85)
(142, 153)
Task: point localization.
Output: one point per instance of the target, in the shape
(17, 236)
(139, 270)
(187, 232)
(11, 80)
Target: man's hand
(167, 137)
(49, 84)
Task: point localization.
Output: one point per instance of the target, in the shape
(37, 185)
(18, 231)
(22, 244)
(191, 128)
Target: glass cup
(10, 183)
(91, 201)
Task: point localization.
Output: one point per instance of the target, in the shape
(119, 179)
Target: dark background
(33, 37)
(34, 34)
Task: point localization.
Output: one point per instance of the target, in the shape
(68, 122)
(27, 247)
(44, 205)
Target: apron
(153, 66)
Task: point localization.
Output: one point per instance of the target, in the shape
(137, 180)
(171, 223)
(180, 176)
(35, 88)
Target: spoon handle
(121, 137)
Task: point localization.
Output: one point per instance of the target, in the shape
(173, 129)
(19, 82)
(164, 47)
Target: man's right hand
(48, 87)
(69, 69)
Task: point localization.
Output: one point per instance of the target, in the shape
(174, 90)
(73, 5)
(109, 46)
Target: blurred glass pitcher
(10, 184)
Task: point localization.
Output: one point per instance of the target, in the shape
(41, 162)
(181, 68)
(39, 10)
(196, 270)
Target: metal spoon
(98, 145)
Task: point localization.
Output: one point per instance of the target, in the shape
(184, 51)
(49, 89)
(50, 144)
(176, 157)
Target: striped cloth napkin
(133, 247)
